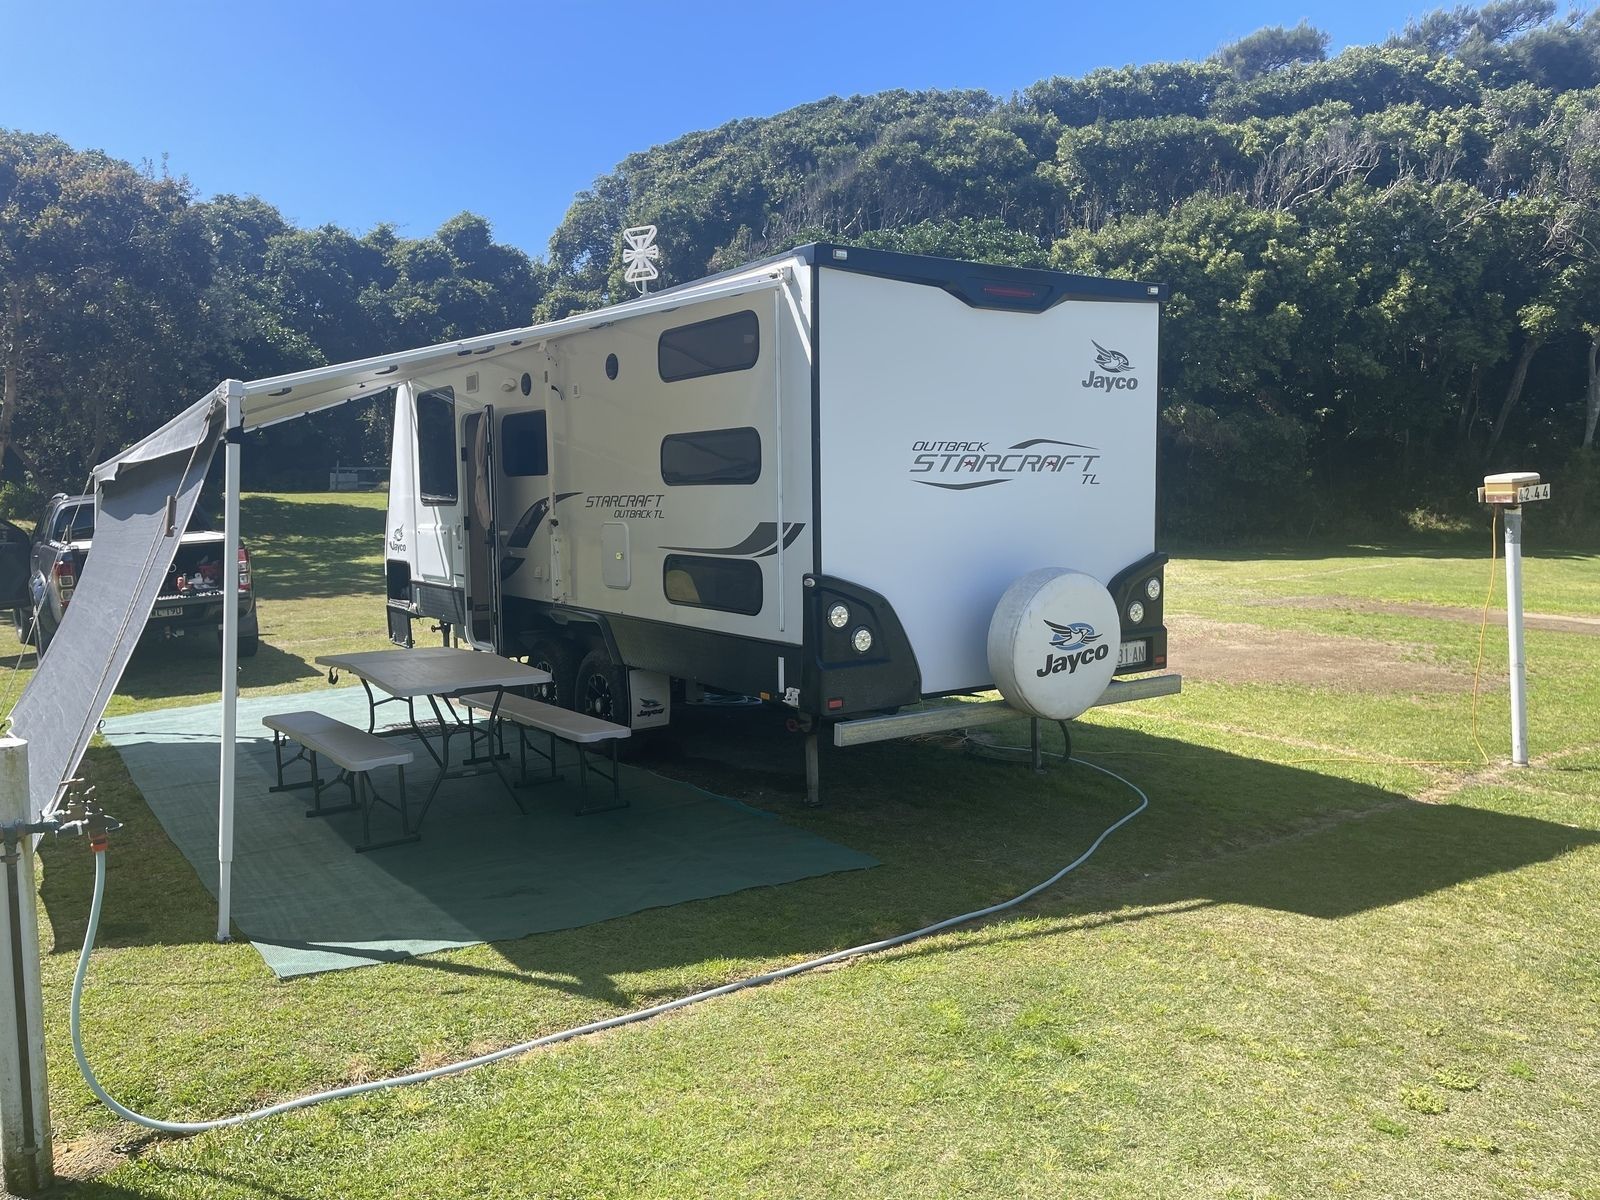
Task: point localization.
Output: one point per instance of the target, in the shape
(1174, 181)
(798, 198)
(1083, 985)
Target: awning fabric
(284, 397)
(145, 497)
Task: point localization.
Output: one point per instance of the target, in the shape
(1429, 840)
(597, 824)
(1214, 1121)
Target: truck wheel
(601, 688)
(42, 634)
(249, 643)
(559, 656)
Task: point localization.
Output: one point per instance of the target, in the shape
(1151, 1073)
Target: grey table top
(434, 670)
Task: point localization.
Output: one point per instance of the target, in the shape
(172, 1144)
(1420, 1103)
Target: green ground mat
(482, 871)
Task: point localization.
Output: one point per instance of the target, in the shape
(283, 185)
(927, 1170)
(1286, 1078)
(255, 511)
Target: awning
(145, 496)
(147, 493)
(283, 397)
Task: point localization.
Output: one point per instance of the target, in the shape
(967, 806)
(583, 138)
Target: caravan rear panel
(960, 447)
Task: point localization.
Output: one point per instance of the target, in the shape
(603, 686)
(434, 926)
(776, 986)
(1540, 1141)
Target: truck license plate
(1132, 653)
(168, 612)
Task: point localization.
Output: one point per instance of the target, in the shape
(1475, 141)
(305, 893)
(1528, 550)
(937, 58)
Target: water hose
(550, 1039)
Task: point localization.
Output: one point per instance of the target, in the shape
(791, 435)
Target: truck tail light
(244, 569)
(66, 577)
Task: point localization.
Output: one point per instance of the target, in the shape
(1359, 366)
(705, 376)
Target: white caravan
(811, 480)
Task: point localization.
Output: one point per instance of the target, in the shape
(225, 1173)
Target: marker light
(861, 639)
(1136, 613)
(838, 616)
(1152, 588)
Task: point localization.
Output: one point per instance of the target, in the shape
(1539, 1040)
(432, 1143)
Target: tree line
(1385, 263)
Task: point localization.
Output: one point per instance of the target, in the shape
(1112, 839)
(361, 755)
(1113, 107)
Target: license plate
(168, 612)
(1132, 653)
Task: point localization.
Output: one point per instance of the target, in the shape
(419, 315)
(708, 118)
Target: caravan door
(481, 534)
(438, 568)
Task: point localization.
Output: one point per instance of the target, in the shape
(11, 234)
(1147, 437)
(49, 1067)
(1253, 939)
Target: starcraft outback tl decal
(962, 466)
(1076, 642)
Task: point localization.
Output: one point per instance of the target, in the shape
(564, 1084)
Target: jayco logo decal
(1076, 643)
(1115, 365)
(397, 539)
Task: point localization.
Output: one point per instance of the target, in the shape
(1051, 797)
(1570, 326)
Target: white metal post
(24, 1097)
(1519, 670)
(234, 392)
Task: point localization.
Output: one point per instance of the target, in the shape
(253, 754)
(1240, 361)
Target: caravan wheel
(601, 688)
(557, 655)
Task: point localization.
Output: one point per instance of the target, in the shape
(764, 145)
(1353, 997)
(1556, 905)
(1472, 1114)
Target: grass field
(1340, 954)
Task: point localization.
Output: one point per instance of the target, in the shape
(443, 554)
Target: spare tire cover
(1053, 642)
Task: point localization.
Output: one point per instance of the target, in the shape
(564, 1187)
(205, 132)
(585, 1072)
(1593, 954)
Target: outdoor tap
(78, 813)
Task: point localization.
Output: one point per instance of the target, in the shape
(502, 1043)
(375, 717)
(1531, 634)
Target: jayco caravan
(814, 479)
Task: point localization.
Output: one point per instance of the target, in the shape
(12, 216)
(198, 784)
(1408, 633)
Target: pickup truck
(190, 601)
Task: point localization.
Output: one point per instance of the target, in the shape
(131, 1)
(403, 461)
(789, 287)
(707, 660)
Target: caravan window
(726, 584)
(731, 343)
(524, 449)
(436, 447)
(711, 456)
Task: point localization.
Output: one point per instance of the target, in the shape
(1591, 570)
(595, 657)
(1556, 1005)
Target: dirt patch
(1229, 652)
(1550, 622)
(88, 1156)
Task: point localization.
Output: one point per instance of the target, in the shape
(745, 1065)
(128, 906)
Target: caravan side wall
(699, 576)
(961, 447)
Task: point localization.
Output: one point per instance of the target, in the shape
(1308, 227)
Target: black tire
(42, 633)
(249, 645)
(601, 689)
(556, 654)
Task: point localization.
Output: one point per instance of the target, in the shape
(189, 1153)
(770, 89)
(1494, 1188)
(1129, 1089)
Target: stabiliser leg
(813, 771)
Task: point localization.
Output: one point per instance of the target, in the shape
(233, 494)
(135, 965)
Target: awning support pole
(233, 390)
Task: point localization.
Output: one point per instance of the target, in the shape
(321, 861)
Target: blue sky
(360, 112)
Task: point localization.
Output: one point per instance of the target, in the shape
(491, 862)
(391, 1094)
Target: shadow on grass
(206, 1180)
(952, 831)
(178, 669)
(315, 550)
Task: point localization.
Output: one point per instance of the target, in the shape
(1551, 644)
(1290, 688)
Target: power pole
(24, 1097)
(1509, 491)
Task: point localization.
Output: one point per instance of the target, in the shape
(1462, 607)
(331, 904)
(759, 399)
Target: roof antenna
(639, 256)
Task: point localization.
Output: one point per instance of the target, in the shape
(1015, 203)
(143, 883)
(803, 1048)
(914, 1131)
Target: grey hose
(550, 1039)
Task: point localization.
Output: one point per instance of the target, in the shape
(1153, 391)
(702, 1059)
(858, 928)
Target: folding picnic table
(439, 673)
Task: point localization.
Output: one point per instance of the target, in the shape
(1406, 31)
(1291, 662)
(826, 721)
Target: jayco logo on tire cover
(1076, 644)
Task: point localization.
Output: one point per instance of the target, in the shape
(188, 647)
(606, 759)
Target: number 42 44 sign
(639, 255)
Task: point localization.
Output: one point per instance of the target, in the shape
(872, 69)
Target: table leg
(442, 757)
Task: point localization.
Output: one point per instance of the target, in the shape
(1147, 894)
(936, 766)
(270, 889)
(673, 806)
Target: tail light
(1009, 291)
(65, 572)
(244, 569)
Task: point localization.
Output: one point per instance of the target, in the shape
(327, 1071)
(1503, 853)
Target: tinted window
(726, 584)
(711, 456)
(436, 446)
(523, 448)
(74, 524)
(731, 343)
